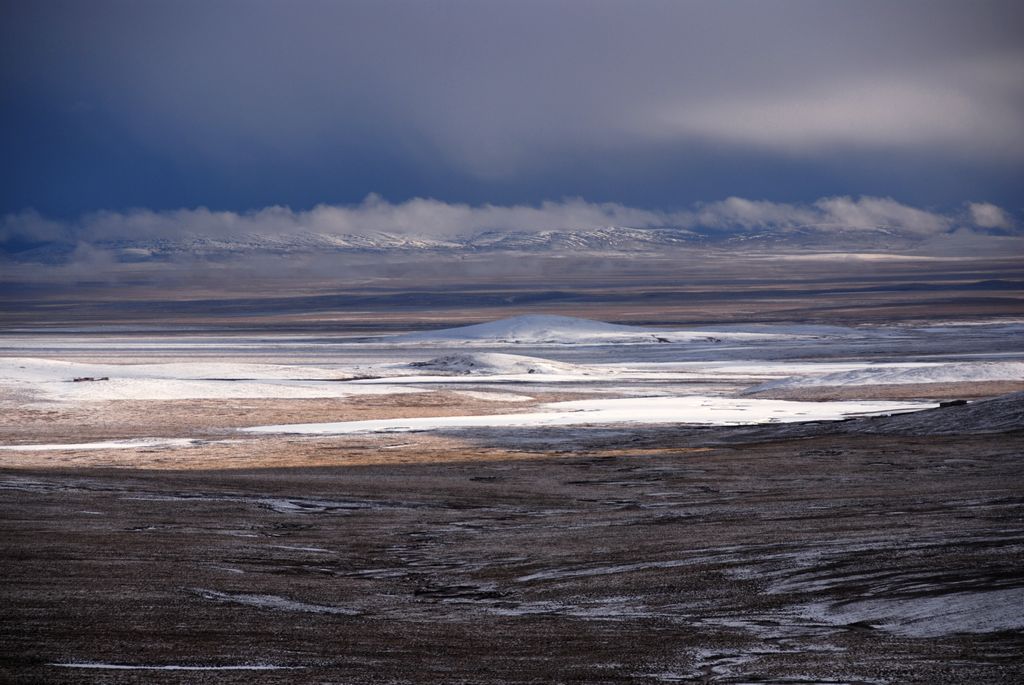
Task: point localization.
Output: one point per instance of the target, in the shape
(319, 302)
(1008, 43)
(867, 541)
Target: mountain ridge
(603, 239)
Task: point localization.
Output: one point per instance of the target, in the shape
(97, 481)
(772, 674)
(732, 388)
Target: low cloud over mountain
(433, 219)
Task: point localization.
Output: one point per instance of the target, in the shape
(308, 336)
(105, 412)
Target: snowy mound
(493, 363)
(546, 329)
(533, 329)
(967, 372)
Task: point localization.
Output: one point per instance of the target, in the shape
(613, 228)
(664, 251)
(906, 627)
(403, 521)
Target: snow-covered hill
(536, 328)
(611, 238)
(546, 329)
(494, 363)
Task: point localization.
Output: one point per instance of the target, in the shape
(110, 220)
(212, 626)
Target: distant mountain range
(614, 239)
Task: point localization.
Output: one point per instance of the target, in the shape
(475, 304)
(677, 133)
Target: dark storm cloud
(658, 104)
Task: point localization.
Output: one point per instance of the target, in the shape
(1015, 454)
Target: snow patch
(274, 603)
(965, 372)
(695, 410)
(934, 616)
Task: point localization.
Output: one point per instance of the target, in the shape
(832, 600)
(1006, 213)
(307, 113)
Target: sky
(115, 109)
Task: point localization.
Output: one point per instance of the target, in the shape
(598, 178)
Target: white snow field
(964, 372)
(694, 410)
(700, 377)
(55, 381)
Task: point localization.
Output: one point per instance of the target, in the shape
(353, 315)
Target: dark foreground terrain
(705, 556)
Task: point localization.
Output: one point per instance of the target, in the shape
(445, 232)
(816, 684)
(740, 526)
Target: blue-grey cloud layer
(236, 105)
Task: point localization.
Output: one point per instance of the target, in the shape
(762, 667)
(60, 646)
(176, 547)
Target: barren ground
(455, 559)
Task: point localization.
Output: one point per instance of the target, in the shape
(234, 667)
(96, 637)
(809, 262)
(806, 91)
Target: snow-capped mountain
(605, 239)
